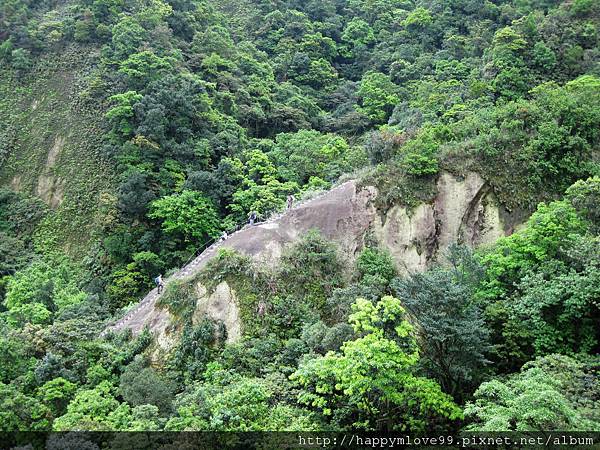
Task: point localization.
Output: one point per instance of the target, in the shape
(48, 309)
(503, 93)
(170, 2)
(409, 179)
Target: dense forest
(190, 114)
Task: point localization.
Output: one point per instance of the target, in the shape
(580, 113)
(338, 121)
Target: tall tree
(371, 383)
(454, 338)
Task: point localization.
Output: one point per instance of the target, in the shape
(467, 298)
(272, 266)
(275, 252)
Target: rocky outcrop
(409, 235)
(343, 215)
(221, 305)
(50, 188)
(464, 210)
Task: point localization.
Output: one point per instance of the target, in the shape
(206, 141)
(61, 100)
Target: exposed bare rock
(342, 214)
(455, 200)
(408, 234)
(482, 224)
(50, 188)
(16, 183)
(465, 210)
(54, 152)
(221, 305)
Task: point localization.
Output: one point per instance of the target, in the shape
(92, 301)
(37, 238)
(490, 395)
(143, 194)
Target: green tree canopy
(378, 96)
(548, 394)
(371, 383)
(454, 336)
(189, 215)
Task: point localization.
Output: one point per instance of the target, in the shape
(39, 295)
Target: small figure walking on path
(252, 217)
(290, 201)
(261, 309)
(159, 283)
(224, 236)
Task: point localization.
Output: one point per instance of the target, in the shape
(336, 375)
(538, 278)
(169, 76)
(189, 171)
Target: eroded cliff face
(464, 210)
(344, 215)
(221, 303)
(51, 147)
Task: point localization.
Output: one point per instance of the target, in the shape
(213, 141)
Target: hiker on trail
(224, 236)
(290, 201)
(252, 217)
(261, 310)
(159, 283)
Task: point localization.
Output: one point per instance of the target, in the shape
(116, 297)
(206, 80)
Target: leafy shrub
(550, 393)
(189, 215)
(373, 261)
(374, 375)
(141, 385)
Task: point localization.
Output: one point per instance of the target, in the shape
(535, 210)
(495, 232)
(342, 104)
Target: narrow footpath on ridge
(247, 241)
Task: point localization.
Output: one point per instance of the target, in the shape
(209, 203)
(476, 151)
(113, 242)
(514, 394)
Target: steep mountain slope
(134, 131)
(50, 143)
(342, 214)
(464, 210)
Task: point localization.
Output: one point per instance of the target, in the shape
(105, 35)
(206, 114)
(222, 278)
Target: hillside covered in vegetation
(134, 132)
